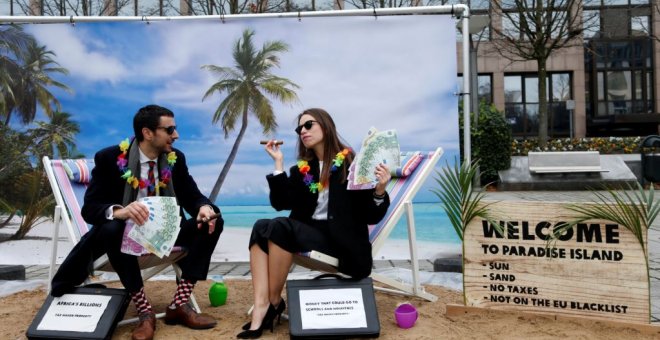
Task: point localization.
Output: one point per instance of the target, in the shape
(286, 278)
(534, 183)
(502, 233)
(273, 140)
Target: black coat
(106, 187)
(349, 214)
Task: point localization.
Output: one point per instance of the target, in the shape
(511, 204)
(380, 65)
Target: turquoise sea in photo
(431, 222)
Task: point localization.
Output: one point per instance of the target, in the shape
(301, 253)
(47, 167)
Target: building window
(520, 22)
(621, 77)
(591, 24)
(6, 7)
(617, 18)
(479, 4)
(639, 26)
(484, 87)
(521, 98)
(305, 5)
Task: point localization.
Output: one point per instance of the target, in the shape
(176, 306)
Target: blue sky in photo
(393, 72)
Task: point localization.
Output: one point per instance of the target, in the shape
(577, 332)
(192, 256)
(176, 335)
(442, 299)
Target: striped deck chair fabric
(69, 179)
(72, 178)
(401, 191)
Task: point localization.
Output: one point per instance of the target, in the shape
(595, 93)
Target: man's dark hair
(149, 117)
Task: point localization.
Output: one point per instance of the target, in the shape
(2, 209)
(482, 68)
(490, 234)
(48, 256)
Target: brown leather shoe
(145, 329)
(185, 315)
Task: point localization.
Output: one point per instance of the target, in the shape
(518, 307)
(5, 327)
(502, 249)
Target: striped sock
(141, 303)
(183, 291)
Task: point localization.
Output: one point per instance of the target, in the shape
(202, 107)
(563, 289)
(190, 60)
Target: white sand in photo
(36, 248)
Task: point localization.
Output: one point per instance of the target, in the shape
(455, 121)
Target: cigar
(277, 142)
(206, 219)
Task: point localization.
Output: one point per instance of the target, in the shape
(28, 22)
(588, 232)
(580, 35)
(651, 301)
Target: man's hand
(135, 211)
(204, 215)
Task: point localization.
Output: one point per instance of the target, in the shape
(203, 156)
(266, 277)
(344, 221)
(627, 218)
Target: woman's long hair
(332, 144)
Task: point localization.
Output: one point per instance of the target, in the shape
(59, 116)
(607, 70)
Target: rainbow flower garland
(126, 173)
(304, 168)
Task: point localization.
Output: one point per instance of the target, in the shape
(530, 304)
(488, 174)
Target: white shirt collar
(144, 158)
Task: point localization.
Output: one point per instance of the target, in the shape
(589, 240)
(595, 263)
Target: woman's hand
(383, 176)
(273, 150)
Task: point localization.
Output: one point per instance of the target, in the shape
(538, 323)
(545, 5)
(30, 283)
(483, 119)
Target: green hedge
(491, 140)
(604, 145)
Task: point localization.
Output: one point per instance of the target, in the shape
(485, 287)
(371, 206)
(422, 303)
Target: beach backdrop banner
(598, 269)
(387, 72)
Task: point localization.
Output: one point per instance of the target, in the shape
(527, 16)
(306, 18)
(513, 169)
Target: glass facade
(5, 7)
(620, 75)
(484, 87)
(521, 98)
(619, 68)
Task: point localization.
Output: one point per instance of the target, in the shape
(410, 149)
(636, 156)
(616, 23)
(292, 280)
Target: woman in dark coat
(325, 216)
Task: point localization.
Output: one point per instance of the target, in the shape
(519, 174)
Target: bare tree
(532, 30)
(363, 4)
(72, 7)
(215, 7)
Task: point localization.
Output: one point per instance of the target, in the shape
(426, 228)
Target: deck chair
(401, 190)
(69, 179)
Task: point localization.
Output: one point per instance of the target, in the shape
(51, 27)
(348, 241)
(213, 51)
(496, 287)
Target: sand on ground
(19, 309)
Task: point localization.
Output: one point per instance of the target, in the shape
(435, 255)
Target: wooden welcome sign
(597, 270)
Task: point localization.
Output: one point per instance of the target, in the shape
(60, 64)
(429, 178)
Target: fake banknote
(377, 147)
(160, 231)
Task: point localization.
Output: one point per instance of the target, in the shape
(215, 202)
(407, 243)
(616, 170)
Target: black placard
(293, 289)
(113, 313)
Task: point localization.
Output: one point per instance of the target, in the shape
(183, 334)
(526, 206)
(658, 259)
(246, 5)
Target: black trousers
(292, 235)
(106, 239)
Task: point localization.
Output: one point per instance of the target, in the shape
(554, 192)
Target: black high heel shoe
(278, 312)
(266, 322)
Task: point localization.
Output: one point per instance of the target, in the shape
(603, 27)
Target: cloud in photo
(85, 56)
(396, 72)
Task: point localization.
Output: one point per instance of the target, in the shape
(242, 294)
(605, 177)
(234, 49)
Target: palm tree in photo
(57, 137)
(13, 43)
(31, 89)
(34, 198)
(247, 86)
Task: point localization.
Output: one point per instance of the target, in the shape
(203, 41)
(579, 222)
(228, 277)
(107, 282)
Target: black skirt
(292, 235)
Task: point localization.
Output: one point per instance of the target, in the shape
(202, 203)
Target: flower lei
(126, 173)
(304, 168)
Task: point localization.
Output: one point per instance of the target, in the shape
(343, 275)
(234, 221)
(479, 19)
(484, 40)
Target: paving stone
(12, 272)
(401, 264)
(453, 264)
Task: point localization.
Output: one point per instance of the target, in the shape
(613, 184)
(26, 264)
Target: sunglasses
(307, 125)
(169, 129)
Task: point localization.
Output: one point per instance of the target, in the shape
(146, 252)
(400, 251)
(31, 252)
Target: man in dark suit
(147, 166)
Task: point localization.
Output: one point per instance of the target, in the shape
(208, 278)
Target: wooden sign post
(598, 269)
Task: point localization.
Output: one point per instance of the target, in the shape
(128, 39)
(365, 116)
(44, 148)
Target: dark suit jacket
(107, 187)
(349, 213)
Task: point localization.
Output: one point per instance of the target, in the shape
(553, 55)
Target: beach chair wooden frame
(401, 191)
(68, 196)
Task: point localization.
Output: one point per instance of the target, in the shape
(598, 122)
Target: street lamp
(477, 24)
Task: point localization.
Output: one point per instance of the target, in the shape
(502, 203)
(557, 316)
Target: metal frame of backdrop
(460, 11)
